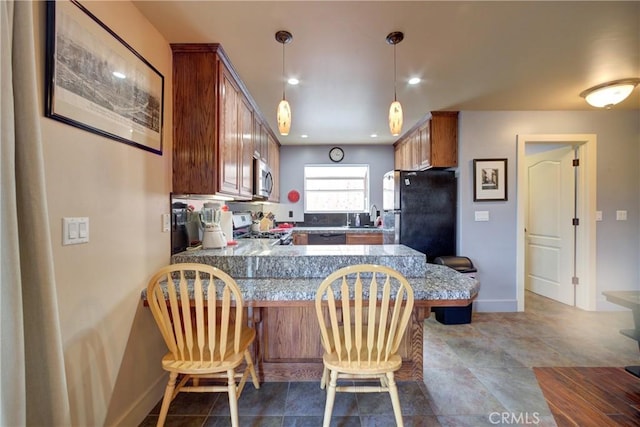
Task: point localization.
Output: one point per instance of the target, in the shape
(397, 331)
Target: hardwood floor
(591, 396)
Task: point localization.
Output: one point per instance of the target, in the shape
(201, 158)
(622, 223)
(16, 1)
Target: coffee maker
(212, 236)
(179, 234)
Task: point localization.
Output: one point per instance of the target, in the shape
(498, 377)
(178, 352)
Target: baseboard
(495, 306)
(141, 407)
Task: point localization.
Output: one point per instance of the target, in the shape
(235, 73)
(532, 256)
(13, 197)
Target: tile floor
(478, 374)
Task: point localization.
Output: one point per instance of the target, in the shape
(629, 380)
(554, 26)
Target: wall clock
(336, 154)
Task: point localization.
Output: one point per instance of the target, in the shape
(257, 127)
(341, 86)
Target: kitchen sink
(359, 226)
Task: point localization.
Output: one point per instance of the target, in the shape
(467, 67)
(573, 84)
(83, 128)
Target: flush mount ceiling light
(395, 110)
(284, 110)
(611, 93)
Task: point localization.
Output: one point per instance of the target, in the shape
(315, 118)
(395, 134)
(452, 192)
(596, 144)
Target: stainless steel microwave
(262, 179)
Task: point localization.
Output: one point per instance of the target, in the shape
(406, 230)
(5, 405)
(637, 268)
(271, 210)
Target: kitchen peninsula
(279, 283)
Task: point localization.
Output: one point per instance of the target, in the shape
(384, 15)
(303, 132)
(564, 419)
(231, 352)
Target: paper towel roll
(226, 224)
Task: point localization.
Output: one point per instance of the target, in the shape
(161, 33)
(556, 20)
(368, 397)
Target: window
(336, 188)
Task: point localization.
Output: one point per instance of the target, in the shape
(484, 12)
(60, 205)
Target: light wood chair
(363, 311)
(204, 330)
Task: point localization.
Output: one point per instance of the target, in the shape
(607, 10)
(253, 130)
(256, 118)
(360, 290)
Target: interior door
(549, 232)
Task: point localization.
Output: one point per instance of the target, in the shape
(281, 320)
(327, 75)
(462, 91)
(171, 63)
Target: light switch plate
(621, 215)
(166, 223)
(75, 230)
(598, 215)
(482, 215)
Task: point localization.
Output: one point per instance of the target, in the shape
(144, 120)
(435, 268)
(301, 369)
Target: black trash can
(455, 315)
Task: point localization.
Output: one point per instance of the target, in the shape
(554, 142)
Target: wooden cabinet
(246, 137)
(273, 160)
(364, 238)
(261, 140)
(216, 124)
(432, 142)
(229, 149)
(351, 238)
(300, 239)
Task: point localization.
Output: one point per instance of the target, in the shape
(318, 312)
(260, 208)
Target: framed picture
(97, 82)
(489, 180)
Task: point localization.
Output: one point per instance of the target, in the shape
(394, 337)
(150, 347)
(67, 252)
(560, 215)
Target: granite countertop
(440, 283)
(267, 273)
(336, 229)
(259, 259)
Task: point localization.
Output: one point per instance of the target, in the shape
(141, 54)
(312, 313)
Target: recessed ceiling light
(119, 75)
(304, 136)
(293, 81)
(374, 135)
(414, 80)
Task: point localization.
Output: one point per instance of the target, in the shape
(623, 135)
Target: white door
(549, 264)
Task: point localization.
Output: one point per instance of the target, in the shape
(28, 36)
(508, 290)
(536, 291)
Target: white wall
(293, 159)
(112, 348)
(492, 245)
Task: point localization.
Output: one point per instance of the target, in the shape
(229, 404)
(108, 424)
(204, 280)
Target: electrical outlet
(166, 223)
(598, 215)
(290, 214)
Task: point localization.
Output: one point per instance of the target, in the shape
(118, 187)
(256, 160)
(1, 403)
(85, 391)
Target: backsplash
(333, 219)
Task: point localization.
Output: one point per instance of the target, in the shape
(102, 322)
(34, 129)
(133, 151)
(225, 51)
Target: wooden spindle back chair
(363, 311)
(200, 313)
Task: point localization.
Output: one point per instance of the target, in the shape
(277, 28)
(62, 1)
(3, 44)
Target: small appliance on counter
(212, 236)
(179, 233)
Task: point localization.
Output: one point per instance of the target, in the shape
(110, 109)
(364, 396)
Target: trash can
(455, 315)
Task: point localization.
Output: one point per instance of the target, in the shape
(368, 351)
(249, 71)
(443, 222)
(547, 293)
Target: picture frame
(95, 81)
(489, 180)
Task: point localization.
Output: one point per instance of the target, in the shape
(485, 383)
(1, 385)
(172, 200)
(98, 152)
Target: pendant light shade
(284, 117)
(395, 110)
(395, 118)
(608, 94)
(284, 109)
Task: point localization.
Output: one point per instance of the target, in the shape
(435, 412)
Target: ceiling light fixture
(395, 110)
(284, 110)
(414, 80)
(606, 95)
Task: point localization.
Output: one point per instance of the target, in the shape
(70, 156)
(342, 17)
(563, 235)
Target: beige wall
(112, 349)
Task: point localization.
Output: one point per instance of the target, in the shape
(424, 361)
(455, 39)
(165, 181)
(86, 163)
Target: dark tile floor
(298, 404)
(473, 373)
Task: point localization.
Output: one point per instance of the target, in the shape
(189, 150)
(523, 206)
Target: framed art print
(489, 180)
(97, 82)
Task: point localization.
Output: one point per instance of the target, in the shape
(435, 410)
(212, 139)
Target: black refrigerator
(420, 211)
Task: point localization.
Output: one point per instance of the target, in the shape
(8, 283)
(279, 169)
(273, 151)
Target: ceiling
(473, 55)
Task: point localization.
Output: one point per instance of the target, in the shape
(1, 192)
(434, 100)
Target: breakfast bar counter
(279, 283)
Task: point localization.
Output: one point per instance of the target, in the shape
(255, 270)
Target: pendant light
(284, 110)
(609, 94)
(395, 110)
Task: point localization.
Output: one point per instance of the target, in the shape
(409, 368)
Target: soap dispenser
(357, 220)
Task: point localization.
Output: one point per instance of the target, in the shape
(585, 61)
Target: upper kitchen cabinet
(261, 141)
(274, 164)
(432, 142)
(214, 124)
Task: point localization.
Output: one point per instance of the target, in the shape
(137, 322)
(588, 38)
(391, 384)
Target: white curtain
(33, 390)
